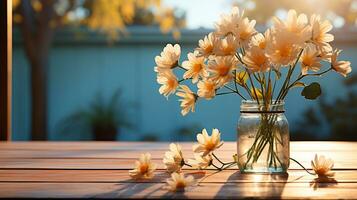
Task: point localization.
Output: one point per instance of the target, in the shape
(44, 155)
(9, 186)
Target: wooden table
(100, 170)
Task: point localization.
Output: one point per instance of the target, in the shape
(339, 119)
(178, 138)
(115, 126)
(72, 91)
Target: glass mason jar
(263, 138)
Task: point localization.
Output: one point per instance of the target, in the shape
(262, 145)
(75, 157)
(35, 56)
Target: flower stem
(187, 164)
(302, 166)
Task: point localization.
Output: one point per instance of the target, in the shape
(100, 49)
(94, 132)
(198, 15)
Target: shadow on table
(253, 186)
(154, 188)
(323, 182)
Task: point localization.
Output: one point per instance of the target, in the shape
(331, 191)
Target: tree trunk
(39, 98)
(38, 34)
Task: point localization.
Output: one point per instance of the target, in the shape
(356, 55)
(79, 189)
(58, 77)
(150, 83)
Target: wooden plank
(156, 190)
(50, 159)
(5, 69)
(118, 163)
(207, 176)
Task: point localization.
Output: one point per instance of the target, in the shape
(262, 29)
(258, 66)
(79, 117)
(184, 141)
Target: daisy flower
(178, 182)
(256, 60)
(296, 24)
(322, 166)
(195, 66)
(188, 99)
(206, 89)
(245, 31)
(320, 29)
(221, 68)
(168, 83)
(173, 159)
(207, 144)
(310, 59)
(200, 162)
(144, 168)
(260, 40)
(168, 58)
(341, 67)
(226, 46)
(282, 50)
(228, 23)
(206, 45)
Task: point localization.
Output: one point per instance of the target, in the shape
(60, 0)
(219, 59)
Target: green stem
(302, 166)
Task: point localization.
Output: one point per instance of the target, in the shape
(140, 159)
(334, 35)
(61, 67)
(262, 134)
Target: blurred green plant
(104, 119)
(340, 116)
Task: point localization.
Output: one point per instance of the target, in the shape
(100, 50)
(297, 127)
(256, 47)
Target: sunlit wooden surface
(100, 170)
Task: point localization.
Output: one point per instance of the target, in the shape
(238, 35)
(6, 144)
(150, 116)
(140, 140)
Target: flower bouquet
(261, 68)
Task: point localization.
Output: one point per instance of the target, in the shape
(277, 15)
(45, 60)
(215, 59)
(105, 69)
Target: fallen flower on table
(178, 182)
(322, 166)
(144, 168)
(173, 159)
(207, 144)
(200, 162)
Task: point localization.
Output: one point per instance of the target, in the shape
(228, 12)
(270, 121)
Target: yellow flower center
(228, 50)
(209, 86)
(144, 168)
(210, 145)
(262, 45)
(223, 70)
(321, 171)
(180, 184)
(244, 35)
(308, 61)
(197, 67)
(208, 49)
(284, 51)
(171, 83)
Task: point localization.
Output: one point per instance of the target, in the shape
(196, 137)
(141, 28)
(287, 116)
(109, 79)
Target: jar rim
(252, 106)
(275, 102)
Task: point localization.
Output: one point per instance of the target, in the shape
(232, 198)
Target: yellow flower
(206, 45)
(242, 77)
(228, 23)
(188, 99)
(342, 67)
(322, 166)
(257, 93)
(310, 59)
(245, 31)
(195, 66)
(168, 58)
(256, 60)
(295, 24)
(179, 182)
(226, 46)
(206, 89)
(173, 159)
(200, 162)
(320, 29)
(221, 69)
(282, 50)
(207, 144)
(144, 168)
(168, 83)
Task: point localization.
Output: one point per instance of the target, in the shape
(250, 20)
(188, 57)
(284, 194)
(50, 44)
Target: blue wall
(80, 67)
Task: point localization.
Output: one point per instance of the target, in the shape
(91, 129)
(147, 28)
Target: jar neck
(252, 106)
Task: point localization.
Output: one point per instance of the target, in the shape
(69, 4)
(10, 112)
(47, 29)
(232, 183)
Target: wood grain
(100, 170)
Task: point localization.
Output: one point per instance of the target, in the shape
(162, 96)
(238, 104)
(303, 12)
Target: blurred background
(83, 70)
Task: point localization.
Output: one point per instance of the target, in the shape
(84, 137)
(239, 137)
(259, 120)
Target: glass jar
(263, 138)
